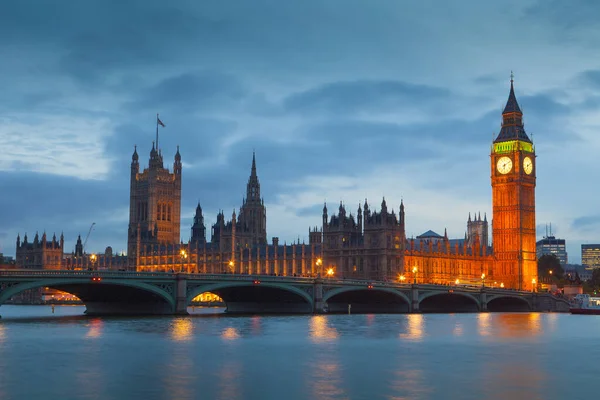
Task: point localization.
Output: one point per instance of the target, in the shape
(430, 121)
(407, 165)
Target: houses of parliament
(370, 244)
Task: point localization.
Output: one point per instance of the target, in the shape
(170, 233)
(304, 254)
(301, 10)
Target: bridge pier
(483, 301)
(318, 300)
(414, 296)
(181, 295)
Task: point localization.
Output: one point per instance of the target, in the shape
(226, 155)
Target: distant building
(554, 246)
(574, 270)
(40, 254)
(590, 255)
(6, 262)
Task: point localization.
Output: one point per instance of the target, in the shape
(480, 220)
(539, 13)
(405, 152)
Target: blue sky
(341, 99)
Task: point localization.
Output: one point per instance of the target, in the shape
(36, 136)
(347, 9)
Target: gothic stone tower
(253, 215)
(154, 204)
(513, 200)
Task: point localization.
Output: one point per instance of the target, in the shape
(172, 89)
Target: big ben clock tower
(513, 201)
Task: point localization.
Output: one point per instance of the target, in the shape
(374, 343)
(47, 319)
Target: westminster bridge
(112, 293)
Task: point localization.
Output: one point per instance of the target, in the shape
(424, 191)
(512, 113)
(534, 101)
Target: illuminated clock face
(504, 165)
(527, 165)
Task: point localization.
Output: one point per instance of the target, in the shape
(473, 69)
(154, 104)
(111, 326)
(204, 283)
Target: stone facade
(41, 253)
(155, 203)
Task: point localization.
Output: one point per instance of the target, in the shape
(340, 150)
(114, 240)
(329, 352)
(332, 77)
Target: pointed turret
(512, 120)
(78, 247)
(512, 106)
(177, 163)
(253, 186)
(198, 228)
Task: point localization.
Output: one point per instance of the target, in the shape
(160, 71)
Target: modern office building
(590, 255)
(552, 245)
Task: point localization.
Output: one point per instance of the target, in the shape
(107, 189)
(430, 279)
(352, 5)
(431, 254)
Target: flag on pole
(159, 122)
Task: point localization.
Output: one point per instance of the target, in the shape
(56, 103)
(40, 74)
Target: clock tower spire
(513, 200)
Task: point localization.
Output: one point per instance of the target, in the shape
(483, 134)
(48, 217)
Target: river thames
(434, 356)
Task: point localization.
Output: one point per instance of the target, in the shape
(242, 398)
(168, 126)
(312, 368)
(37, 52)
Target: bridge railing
(27, 273)
(68, 273)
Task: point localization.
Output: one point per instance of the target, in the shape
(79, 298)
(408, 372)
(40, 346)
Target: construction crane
(88, 236)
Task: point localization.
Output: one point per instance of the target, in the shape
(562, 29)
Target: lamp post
(456, 282)
(482, 280)
(93, 259)
(502, 285)
(401, 278)
(183, 258)
(533, 285)
(330, 272)
(319, 267)
(414, 271)
(231, 266)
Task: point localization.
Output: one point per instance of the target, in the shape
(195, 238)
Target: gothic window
(164, 212)
(169, 213)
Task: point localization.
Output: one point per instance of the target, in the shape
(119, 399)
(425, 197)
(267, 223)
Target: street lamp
(456, 282)
(319, 266)
(183, 258)
(414, 271)
(231, 264)
(330, 272)
(401, 278)
(482, 280)
(93, 259)
(502, 284)
(533, 285)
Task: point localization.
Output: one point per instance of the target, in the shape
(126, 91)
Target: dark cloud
(193, 92)
(343, 98)
(572, 15)
(586, 223)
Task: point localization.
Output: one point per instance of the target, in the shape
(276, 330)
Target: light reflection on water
(320, 331)
(462, 356)
(415, 327)
(95, 328)
(182, 329)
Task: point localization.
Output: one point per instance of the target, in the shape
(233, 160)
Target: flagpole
(156, 131)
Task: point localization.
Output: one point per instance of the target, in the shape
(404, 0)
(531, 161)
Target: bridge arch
(508, 303)
(96, 305)
(249, 297)
(455, 301)
(366, 300)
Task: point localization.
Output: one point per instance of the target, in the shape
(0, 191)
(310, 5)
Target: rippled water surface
(459, 356)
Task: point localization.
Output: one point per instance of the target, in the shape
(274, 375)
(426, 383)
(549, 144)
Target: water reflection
(327, 381)
(182, 329)
(512, 326)
(320, 331)
(95, 330)
(177, 379)
(230, 375)
(409, 384)
(2, 334)
(415, 327)
(484, 324)
(256, 325)
(230, 333)
(506, 378)
(551, 321)
(458, 328)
